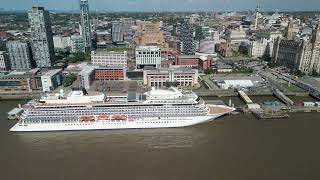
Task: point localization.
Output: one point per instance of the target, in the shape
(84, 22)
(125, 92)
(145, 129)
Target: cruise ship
(78, 110)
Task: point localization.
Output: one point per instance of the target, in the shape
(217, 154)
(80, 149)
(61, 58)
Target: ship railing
(143, 111)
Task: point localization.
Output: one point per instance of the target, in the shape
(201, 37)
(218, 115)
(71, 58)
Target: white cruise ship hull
(108, 125)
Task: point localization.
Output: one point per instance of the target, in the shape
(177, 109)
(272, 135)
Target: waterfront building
(77, 44)
(41, 37)
(110, 74)
(288, 52)
(19, 55)
(175, 76)
(302, 55)
(148, 56)
(4, 61)
(85, 24)
(117, 32)
(109, 59)
(51, 79)
(186, 39)
(31, 80)
(86, 77)
(89, 74)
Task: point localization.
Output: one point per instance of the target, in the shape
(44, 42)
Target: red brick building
(188, 61)
(107, 73)
(194, 61)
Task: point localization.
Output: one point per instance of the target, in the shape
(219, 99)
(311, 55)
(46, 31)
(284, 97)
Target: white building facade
(51, 79)
(86, 77)
(148, 56)
(183, 77)
(62, 42)
(109, 59)
(261, 48)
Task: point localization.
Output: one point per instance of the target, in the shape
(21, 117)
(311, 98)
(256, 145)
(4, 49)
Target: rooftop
(189, 56)
(108, 51)
(175, 69)
(142, 48)
(87, 70)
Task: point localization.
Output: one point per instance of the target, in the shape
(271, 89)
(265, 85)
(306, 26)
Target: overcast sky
(164, 5)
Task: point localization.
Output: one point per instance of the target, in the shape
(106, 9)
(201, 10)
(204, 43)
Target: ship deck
(219, 110)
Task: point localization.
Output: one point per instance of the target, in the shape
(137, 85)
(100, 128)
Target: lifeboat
(87, 118)
(119, 117)
(102, 117)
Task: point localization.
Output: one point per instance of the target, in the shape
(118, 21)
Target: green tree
(69, 79)
(298, 73)
(79, 57)
(209, 71)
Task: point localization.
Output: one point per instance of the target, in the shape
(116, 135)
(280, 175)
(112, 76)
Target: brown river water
(234, 147)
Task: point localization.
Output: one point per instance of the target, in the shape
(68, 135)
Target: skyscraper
(186, 39)
(41, 37)
(117, 32)
(85, 24)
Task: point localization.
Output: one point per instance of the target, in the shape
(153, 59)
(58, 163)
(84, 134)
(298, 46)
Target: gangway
(245, 97)
(283, 97)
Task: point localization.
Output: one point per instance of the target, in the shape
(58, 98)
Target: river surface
(235, 147)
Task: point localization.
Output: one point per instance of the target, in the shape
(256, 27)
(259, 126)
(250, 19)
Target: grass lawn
(293, 88)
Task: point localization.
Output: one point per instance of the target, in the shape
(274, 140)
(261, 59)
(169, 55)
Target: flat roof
(147, 47)
(189, 56)
(52, 72)
(176, 70)
(86, 70)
